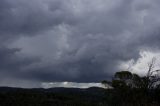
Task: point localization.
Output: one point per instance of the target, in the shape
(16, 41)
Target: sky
(74, 85)
(85, 41)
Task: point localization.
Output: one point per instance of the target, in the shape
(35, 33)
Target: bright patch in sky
(71, 85)
(140, 66)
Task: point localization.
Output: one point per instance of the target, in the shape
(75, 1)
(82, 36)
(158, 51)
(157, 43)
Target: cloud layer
(73, 40)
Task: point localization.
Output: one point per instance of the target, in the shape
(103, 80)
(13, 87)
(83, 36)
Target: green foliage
(119, 84)
(132, 90)
(106, 83)
(123, 75)
(126, 79)
(46, 97)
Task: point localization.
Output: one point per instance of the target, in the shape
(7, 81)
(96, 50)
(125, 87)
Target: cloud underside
(74, 40)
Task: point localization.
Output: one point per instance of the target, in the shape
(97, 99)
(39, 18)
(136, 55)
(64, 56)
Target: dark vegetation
(129, 89)
(51, 97)
(132, 90)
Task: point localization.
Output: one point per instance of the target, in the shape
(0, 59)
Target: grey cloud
(74, 40)
(21, 17)
(11, 65)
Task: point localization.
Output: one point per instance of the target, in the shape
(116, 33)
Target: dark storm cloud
(21, 17)
(81, 71)
(11, 66)
(10, 63)
(74, 40)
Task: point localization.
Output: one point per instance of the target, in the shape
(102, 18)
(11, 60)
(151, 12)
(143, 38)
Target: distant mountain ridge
(12, 96)
(91, 90)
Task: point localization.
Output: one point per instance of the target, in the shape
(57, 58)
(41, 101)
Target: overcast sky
(75, 40)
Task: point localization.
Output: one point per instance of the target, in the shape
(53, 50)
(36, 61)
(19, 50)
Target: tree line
(132, 89)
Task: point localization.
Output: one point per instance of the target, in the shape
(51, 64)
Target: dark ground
(51, 97)
(76, 97)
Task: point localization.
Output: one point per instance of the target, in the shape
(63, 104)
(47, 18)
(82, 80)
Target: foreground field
(74, 97)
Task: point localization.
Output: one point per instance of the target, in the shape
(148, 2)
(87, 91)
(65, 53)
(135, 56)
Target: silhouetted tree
(152, 78)
(126, 79)
(107, 84)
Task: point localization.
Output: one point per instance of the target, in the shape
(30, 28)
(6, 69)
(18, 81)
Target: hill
(51, 97)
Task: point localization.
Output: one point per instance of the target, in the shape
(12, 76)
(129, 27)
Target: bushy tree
(126, 79)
